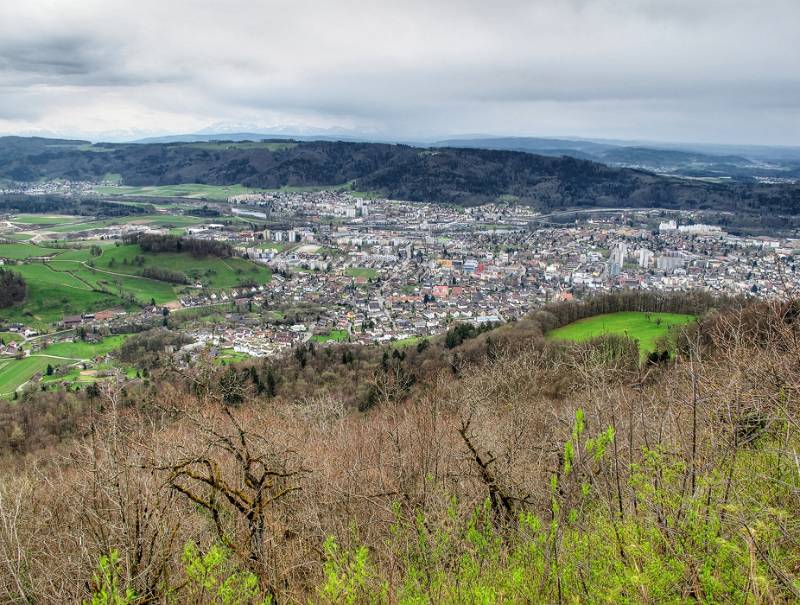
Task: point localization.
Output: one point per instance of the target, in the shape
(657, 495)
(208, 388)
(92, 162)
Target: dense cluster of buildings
(374, 270)
(382, 270)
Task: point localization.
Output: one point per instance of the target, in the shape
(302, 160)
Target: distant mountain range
(455, 174)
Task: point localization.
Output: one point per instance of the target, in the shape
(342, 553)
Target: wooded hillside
(441, 175)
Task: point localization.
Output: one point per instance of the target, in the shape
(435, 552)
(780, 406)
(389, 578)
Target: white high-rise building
(618, 254)
(667, 226)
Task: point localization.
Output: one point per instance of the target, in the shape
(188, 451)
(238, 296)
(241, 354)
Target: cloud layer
(716, 70)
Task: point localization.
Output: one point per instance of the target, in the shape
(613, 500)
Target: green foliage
(646, 328)
(348, 576)
(214, 578)
(674, 546)
(108, 583)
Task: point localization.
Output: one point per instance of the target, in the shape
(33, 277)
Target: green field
(332, 336)
(116, 283)
(275, 246)
(203, 192)
(16, 372)
(407, 342)
(361, 272)
(68, 285)
(229, 356)
(188, 190)
(43, 219)
(83, 350)
(22, 251)
(149, 220)
(647, 328)
(213, 272)
(60, 288)
(53, 294)
(7, 337)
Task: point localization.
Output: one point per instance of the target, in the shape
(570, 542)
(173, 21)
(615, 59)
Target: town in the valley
(360, 269)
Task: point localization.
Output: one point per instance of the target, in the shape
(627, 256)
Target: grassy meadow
(188, 190)
(647, 328)
(67, 284)
(361, 272)
(332, 336)
(16, 372)
(22, 251)
(213, 272)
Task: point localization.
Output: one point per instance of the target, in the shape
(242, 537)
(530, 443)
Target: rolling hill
(464, 176)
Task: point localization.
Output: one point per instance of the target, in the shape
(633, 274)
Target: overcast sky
(723, 71)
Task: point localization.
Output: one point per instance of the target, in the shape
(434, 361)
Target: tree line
(78, 206)
(13, 288)
(199, 248)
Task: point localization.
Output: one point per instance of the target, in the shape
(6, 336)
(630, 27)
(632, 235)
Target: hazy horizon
(663, 71)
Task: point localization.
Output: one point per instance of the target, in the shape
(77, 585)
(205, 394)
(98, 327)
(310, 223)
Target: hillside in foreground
(444, 175)
(491, 466)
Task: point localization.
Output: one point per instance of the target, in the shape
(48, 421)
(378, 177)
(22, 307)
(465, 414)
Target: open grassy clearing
(142, 289)
(72, 375)
(76, 376)
(84, 350)
(212, 272)
(229, 356)
(189, 190)
(73, 254)
(16, 372)
(79, 226)
(67, 286)
(333, 335)
(280, 247)
(168, 220)
(53, 294)
(44, 219)
(647, 328)
(22, 251)
(327, 251)
(407, 342)
(213, 313)
(361, 272)
(202, 192)
(147, 220)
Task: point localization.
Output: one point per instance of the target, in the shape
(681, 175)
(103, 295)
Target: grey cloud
(59, 56)
(716, 69)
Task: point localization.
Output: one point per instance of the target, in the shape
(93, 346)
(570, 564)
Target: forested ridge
(503, 468)
(445, 175)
